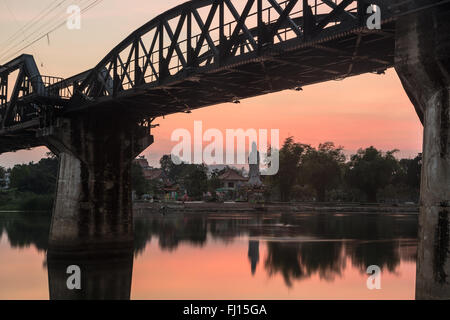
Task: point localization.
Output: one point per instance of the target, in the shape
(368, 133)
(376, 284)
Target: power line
(15, 20)
(40, 18)
(46, 33)
(13, 45)
(28, 24)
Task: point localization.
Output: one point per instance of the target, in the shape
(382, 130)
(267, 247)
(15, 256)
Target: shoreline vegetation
(31, 187)
(309, 179)
(142, 208)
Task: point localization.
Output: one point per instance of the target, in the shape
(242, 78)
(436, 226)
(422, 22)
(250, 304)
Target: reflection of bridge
(206, 52)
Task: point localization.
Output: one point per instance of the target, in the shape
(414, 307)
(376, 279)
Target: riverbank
(245, 207)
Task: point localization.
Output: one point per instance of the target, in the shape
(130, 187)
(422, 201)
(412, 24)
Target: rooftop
(232, 175)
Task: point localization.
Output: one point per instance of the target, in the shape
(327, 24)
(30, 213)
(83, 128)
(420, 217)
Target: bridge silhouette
(203, 53)
(206, 52)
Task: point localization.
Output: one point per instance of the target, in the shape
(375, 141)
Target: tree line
(324, 174)
(305, 174)
(32, 186)
(191, 177)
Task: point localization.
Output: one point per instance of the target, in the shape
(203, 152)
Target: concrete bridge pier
(423, 65)
(93, 207)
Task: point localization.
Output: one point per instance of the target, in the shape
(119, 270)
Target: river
(228, 256)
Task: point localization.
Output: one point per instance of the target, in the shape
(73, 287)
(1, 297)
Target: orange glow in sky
(356, 112)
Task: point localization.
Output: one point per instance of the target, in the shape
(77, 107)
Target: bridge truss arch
(205, 52)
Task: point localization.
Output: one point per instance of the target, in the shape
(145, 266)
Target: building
(231, 179)
(141, 161)
(163, 187)
(151, 174)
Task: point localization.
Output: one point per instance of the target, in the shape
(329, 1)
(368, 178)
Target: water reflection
(104, 275)
(26, 229)
(295, 247)
(253, 254)
(298, 245)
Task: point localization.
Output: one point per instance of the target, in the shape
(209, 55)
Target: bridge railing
(52, 87)
(48, 86)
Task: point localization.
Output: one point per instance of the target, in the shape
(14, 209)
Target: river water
(228, 256)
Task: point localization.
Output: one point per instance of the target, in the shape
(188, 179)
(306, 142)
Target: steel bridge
(206, 52)
(202, 53)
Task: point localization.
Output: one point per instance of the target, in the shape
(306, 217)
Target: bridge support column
(93, 207)
(423, 65)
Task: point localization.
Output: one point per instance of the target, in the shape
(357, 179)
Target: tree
(166, 163)
(195, 180)
(193, 177)
(38, 178)
(172, 171)
(412, 169)
(2, 177)
(321, 168)
(214, 182)
(140, 185)
(370, 170)
(290, 156)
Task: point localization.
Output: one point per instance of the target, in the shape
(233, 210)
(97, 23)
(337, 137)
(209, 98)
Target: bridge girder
(206, 52)
(203, 44)
(28, 80)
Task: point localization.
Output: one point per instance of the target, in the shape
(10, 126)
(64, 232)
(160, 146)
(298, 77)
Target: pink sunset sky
(356, 112)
